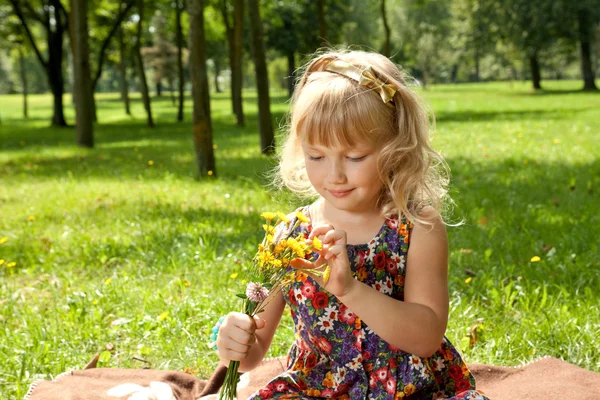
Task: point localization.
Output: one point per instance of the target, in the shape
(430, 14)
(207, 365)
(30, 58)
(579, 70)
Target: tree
(292, 28)
(577, 22)
(106, 19)
(12, 31)
(137, 52)
(162, 55)
(179, 6)
(53, 17)
(386, 30)
(82, 82)
(123, 81)
(267, 138)
(234, 32)
(529, 26)
(203, 143)
(322, 21)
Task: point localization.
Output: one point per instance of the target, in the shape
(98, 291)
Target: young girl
(359, 140)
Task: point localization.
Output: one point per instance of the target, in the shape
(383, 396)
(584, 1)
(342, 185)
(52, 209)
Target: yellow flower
(301, 217)
(299, 249)
(163, 316)
(3, 240)
(265, 258)
(270, 238)
(280, 247)
(31, 218)
(108, 281)
(283, 217)
(276, 263)
(468, 280)
(268, 215)
(317, 244)
(11, 264)
(1, 261)
(535, 259)
(269, 228)
(234, 275)
(150, 162)
(327, 274)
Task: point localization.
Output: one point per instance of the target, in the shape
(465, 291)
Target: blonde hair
(331, 109)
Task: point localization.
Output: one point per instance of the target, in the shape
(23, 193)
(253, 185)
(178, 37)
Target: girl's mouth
(340, 193)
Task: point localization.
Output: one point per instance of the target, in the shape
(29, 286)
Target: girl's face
(346, 177)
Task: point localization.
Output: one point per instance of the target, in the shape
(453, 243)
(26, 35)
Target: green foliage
(119, 251)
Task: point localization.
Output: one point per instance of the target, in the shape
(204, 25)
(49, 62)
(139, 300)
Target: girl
(359, 140)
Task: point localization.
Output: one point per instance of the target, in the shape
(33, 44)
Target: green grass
(110, 248)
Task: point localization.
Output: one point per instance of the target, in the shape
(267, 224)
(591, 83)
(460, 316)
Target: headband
(365, 77)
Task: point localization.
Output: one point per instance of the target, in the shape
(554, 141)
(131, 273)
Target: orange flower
(409, 389)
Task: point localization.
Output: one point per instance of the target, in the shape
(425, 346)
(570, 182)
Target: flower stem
(229, 389)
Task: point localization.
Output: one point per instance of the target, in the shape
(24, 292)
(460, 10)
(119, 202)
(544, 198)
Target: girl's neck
(323, 212)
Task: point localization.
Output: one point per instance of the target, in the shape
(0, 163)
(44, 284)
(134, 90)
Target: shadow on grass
(481, 116)
(521, 211)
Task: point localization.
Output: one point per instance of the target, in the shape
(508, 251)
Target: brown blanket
(544, 379)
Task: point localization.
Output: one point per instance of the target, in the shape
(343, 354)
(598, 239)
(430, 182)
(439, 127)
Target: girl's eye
(314, 158)
(356, 159)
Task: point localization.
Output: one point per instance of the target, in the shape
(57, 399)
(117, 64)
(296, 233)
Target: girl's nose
(336, 174)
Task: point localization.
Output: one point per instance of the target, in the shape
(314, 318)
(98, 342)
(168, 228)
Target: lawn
(120, 249)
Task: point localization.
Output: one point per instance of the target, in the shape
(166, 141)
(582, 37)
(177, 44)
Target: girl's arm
(246, 339)
(415, 325)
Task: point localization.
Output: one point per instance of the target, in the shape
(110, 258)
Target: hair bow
(365, 77)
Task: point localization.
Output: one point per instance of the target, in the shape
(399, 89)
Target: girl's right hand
(237, 335)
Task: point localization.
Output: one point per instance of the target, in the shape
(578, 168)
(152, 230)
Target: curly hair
(331, 109)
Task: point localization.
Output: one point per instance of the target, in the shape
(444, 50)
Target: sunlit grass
(122, 245)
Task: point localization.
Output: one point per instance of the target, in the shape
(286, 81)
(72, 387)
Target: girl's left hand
(334, 253)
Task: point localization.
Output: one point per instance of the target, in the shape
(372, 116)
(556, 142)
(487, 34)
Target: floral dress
(336, 355)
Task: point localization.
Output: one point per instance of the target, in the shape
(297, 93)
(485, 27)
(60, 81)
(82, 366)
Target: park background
(127, 236)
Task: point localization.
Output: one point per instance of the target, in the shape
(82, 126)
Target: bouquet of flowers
(268, 273)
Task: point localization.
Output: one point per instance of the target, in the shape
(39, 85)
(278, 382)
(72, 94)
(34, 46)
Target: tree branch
(122, 13)
(65, 14)
(34, 14)
(19, 12)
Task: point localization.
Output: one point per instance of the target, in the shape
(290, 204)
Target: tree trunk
(123, 73)
(386, 28)
(179, 35)
(291, 58)
(23, 82)
(55, 57)
(267, 139)
(586, 49)
(116, 26)
(216, 77)
(203, 145)
(171, 91)
(536, 76)
(81, 68)
(477, 72)
(454, 73)
(322, 21)
(140, 65)
(53, 66)
(234, 36)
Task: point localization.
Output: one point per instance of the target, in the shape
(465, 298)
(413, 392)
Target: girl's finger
(335, 250)
(301, 263)
(320, 230)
